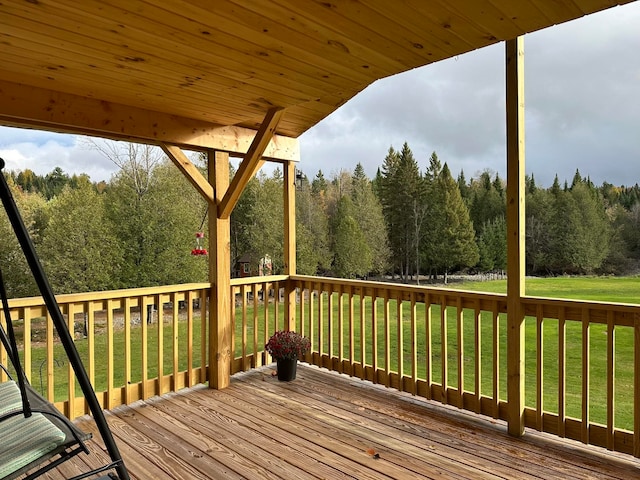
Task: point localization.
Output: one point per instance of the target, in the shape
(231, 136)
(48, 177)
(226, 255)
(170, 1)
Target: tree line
(409, 222)
(138, 229)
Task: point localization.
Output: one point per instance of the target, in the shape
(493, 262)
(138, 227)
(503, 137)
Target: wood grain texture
(227, 63)
(326, 425)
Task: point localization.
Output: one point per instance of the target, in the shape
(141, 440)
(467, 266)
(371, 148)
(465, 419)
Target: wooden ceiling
(227, 62)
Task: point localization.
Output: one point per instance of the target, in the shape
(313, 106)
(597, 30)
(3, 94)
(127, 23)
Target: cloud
(43, 151)
(582, 106)
(431, 108)
(581, 96)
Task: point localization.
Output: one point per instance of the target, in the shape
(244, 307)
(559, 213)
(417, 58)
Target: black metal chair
(34, 436)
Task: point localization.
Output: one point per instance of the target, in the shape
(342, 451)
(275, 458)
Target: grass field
(604, 289)
(600, 289)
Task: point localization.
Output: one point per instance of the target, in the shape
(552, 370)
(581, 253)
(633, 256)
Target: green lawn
(607, 289)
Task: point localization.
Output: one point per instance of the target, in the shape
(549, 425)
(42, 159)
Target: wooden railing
(257, 310)
(582, 359)
(589, 351)
(119, 329)
(444, 348)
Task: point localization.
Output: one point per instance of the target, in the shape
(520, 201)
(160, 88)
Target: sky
(582, 104)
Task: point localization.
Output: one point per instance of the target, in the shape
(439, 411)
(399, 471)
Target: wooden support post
(515, 234)
(220, 351)
(290, 242)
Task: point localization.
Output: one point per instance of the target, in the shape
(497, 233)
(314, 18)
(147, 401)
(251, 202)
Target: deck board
(322, 425)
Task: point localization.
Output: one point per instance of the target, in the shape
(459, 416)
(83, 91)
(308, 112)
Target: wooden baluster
(444, 349)
(562, 369)
(460, 341)
(127, 351)
(414, 345)
(496, 359)
(189, 304)
(611, 371)
(586, 363)
(175, 347)
(363, 334)
(144, 346)
(400, 342)
(477, 319)
(428, 346)
(71, 377)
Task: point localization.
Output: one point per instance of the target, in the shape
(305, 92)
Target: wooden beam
(32, 107)
(220, 348)
(290, 242)
(515, 234)
(251, 162)
(190, 171)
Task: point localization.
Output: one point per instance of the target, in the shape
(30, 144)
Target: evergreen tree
(312, 232)
(352, 257)
(319, 183)
(391, 208)
(492, 245)
(555, 188)
(411, 211)
(464, 188)
(577, 179)
(629, 224)
(581, 236)
(54, 182)
(433, 219)
(376, 184)
(367, 212)
(530, 184)
(457, 247)
(623, 250)
(498, 186)
(539, 231)
(488, 202)
(434, 168)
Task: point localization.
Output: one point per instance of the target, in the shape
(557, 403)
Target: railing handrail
(103, 295)
(255, 280)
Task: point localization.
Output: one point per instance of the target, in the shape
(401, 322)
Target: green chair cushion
(23, 440)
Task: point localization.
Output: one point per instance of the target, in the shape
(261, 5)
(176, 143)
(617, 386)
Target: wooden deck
(326, 425)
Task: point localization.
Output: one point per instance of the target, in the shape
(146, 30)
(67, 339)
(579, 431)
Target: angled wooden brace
(190, 171)
(251, 163)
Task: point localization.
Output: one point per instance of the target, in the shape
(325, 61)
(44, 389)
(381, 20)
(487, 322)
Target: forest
(407, 222)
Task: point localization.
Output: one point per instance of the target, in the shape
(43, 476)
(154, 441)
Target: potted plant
(286, 346)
